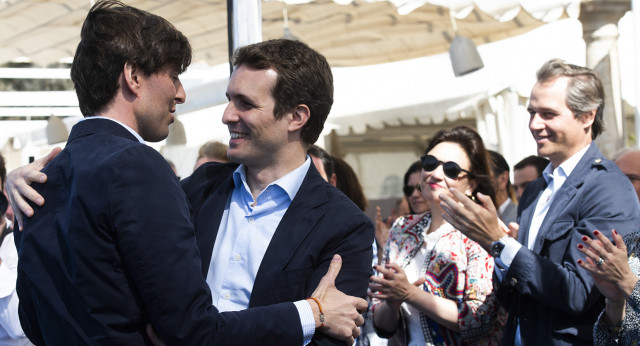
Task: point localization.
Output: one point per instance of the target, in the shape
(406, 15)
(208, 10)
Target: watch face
(496, 248)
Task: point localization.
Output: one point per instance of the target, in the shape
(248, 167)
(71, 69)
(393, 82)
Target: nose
(181, 95)
(229, 114)
(535, 122)
(438, 172)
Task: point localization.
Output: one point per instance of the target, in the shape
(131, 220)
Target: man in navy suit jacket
(551, 299)
(270, 218)
(113, 248)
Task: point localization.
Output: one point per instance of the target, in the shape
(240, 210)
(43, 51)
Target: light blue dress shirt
(245, 232)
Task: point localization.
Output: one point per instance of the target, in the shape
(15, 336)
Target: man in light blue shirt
(551, 299)
(268, 225)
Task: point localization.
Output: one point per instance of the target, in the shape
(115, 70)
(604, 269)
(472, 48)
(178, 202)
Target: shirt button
(227, 296)
(236, 257)
(251, 219)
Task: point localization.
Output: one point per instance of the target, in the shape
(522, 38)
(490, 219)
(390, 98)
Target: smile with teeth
(238, 135)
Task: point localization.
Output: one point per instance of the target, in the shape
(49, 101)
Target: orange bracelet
(321, 312)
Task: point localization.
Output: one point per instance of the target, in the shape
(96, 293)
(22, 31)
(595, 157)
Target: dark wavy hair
(304, 77)
(472, 144)
(114, 34)
(415, 167)
(347, 182)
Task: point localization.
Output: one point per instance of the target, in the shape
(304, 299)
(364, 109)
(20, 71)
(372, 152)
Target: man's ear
(131, 78)
(333, 180)
(588, 119)
(299, 117)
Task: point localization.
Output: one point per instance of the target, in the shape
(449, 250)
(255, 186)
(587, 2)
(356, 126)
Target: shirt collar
(566, 167)
(290, 183)
(134, 133)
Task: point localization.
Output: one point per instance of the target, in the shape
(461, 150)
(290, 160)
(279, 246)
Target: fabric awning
(348, 33)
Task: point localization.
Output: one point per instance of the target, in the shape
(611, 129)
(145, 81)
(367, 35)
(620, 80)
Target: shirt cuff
(307, 321)
(509, 252)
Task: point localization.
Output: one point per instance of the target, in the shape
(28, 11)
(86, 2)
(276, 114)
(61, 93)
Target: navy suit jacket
(549, 294)
(113, 249)
(320, 222)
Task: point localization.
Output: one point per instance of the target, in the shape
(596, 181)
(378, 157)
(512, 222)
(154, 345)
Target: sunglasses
(450, 169)
(408, 189)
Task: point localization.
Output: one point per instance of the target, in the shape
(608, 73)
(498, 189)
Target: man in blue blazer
(270, 218)
(550, 298)
(113, 249)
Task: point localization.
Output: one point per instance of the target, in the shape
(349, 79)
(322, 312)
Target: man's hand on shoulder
(19, 190)
(341, 313)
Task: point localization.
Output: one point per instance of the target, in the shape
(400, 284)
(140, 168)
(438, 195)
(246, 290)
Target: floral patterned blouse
(456, 268)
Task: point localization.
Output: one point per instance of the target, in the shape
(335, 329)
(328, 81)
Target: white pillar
(247, 22)
(600, 31)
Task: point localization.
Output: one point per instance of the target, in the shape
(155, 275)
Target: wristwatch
(497, 246)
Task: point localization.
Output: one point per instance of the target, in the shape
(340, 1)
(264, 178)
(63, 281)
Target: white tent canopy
(348, 33)
(417, 91)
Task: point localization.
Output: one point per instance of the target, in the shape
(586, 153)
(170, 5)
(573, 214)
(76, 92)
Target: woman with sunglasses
(436, 286)
(417, 205)
(411, 189)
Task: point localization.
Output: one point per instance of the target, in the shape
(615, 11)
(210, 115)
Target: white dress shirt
(244, 234)
(11, 333)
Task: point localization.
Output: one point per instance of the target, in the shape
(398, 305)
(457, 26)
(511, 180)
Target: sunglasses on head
(408, 189)
(450, 169)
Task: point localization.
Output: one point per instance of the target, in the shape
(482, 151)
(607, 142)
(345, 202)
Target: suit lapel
(565, 195)
(296, 224)
(528, 206)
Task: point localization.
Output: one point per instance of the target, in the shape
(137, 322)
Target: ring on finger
(600, 261)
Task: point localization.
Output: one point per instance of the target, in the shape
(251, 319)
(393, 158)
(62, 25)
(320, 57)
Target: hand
(613, 276)
(382, 230)
(155, 339)
(18, 186)
(342, 313)
(393, 286)
(480, 223)
(514, 228)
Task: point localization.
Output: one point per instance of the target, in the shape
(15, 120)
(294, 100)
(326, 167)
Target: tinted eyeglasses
(450, 169)
(408, 189)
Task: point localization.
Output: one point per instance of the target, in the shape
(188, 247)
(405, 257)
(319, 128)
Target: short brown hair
(114, 34)
(584, 90)
(304, 77)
